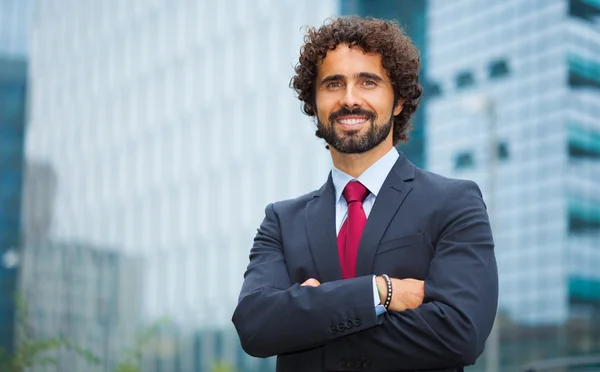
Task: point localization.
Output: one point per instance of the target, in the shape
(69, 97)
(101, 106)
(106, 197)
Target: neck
(355, 164)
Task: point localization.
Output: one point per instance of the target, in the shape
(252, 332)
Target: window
(583, 72)
(583, 143)
(464, 160)
(498, 69)
(584, 216)
(464, 80)
(584, 9)
(584, 289)
(433, 89)
(503, 150)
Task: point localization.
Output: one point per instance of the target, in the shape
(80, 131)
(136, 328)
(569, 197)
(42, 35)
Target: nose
(351, 98)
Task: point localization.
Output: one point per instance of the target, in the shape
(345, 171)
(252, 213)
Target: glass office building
(518, 110)
(13, 97)
(164, 129)
(13, 81)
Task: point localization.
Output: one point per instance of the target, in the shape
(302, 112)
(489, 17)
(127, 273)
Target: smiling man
(386, 267)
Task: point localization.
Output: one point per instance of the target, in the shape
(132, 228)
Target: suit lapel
(394, 190)
(320, 228)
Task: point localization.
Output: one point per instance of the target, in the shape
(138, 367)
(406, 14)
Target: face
(354, 101)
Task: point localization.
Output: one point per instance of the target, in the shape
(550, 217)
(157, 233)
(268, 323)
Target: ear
(398, 108)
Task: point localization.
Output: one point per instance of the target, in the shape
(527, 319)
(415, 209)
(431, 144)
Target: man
(386, 267)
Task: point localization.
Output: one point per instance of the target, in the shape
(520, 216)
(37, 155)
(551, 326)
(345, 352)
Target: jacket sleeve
(274, 316)
(461, 295)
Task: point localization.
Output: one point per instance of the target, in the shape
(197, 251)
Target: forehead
(347, 61)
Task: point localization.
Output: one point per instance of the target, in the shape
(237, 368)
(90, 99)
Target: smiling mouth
(351, 122)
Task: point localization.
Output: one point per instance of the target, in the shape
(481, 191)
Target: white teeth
(351, 121)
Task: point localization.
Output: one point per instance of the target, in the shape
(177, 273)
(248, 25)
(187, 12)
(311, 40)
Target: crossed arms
(449, 328)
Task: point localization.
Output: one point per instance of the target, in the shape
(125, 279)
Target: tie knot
(355, 192)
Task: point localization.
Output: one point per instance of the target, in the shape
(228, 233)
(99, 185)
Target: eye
(369, 83)
(334, 84)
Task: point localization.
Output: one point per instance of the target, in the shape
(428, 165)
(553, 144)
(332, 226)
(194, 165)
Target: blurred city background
(140, 141)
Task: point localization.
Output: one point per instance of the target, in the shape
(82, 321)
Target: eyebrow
(360, 75)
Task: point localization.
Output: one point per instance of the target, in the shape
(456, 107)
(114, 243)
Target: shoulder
(455, 200)
(297, 202)
(282, 212)
(447, 197)
(445, 186)
(432, 185)
(291, 206)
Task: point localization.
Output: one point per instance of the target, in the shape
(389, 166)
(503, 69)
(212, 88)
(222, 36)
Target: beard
(353, 142)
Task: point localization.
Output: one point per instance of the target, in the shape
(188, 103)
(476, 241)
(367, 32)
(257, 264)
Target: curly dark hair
(400, 58)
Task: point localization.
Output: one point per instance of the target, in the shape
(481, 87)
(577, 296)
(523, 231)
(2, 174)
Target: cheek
(322, 115)
(384, 106)
(324, 109)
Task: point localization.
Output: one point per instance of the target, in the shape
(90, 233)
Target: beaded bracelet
(388, 298)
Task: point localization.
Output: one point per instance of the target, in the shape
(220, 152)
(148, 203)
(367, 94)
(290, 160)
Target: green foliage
(133, 356)
(222, 367)
(127, 367)
(30, 351)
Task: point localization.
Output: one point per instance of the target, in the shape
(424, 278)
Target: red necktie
(349, 236)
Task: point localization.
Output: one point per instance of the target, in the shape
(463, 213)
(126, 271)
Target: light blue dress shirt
(372, 178)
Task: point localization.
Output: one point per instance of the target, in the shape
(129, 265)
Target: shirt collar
(373, 177)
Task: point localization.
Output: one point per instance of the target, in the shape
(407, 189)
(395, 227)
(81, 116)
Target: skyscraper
(169, 126)
(13, 92)
(518, 111)
(13, 80)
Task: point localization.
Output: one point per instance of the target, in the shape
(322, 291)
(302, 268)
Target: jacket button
(333, 330)
(357, 322)
(349, 324)
(341, 327)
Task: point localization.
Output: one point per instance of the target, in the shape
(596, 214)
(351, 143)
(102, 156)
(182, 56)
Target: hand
(311, 283)
(406, 293)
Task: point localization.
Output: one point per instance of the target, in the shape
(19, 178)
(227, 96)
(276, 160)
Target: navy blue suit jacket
(422, 226)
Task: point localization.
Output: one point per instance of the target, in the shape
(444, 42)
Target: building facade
(168, 127)
(13, 87)
(13, 98)
(89, 296)
(517, 111)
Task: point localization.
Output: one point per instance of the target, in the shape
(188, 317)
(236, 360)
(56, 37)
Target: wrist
(381, 289)
(388, 297)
